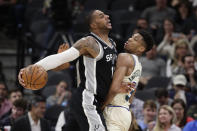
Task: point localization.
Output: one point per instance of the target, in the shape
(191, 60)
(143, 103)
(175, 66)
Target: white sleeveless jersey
(123, 98)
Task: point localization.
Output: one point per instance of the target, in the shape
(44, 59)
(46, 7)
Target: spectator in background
(166, 37)
(191, 27)
(191, 113)
(179, 108)
(2, 76)
(5, 104)
(134, 125)
(162, 97)
(149, 112)
(141, 24)
(156, 14)
(175, 64)
(14, 94)
(178, 91)
(137, 107)
(18, 110)
(153, 66)
(61, 96)
(166, 119)
(190, 72)
(192, 125)
(183, 10)
(34, 120)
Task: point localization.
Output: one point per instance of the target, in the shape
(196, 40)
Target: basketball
(35, 77)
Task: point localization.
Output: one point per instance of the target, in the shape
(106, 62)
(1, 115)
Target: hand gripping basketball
(33, 77)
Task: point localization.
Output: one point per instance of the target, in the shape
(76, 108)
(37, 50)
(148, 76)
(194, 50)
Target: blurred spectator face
(168, 26)
(179, 110)
(3, 91)
(152, 53)
(15, 96)
(61, 87)
(149, 113)
(162, 100)
(142, 24)
(189, 62)
(183, 9)
(39, 109)
(164, 116)
(161, 3)
(181, 50)
(17, 112)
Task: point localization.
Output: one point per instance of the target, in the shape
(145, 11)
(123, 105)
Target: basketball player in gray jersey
(128, 69)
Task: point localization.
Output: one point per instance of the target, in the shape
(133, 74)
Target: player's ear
(142, 48)
(92, 25)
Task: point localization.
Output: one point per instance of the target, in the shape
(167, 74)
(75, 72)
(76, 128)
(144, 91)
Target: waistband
(117, 106)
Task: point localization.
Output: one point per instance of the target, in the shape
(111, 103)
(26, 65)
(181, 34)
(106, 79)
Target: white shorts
(118, 118)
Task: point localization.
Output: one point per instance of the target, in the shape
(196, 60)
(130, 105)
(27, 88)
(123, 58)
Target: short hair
(188, 55)
(35, 100)
(4, 83)
(89, 18)
(149, 103)
(14, 90)
(148, 39)
(21, 103)
(161, 92)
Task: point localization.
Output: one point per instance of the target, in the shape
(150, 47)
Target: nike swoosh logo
(105, 47)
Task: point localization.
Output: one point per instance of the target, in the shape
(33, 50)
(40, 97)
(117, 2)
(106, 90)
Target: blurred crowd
(166, 98)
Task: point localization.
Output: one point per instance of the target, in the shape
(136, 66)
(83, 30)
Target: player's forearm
(56, 60)
(109, 99)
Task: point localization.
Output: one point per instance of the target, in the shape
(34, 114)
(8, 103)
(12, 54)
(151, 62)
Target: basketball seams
(32, 76)
(26, 78)
(38, 77)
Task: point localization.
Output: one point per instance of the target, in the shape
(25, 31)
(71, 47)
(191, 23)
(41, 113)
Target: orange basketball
(35, 77)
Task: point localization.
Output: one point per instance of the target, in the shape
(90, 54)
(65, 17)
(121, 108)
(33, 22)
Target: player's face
(134, 44)
(101, 20)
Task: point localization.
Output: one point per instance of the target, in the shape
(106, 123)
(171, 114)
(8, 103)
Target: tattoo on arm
(87, 46)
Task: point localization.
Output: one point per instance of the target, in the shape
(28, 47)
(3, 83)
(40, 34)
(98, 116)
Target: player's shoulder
(125, 58)
(91, 38)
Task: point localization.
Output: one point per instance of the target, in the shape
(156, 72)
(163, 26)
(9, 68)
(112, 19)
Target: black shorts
(84, 114)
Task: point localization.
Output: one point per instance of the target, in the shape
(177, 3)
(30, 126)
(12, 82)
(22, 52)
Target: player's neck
(103, 35)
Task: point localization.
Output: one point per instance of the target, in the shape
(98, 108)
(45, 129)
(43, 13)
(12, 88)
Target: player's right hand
(20, 80)
(126, 87)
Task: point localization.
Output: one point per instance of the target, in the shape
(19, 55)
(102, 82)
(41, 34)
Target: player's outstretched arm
(62, 48)
(86, 46)
(122, 66)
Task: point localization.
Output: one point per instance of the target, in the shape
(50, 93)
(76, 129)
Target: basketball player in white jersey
(128, 69)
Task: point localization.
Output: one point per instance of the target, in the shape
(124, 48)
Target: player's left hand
(62, 48)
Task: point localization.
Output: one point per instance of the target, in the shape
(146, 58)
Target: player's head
(139, 43)
(97, 20)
